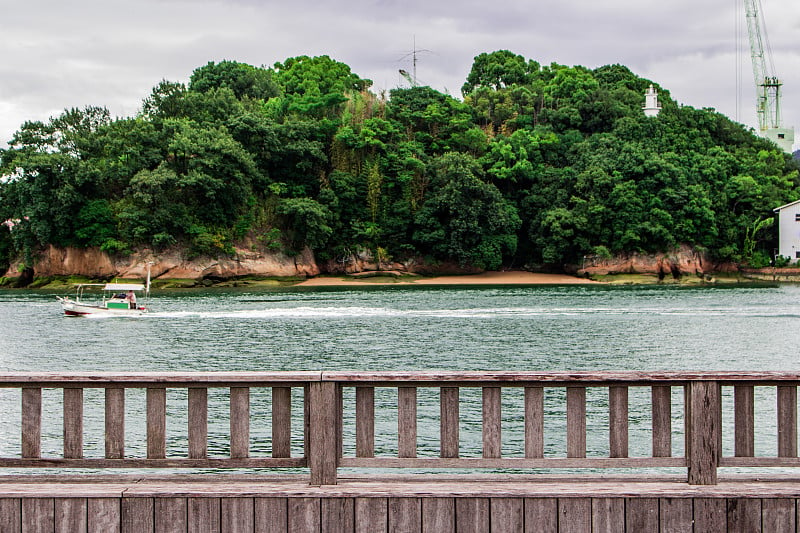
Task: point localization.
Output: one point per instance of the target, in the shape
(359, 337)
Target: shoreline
(389, 278)
(484, 278)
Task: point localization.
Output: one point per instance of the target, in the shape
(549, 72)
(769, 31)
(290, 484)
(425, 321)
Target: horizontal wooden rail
(342, 412)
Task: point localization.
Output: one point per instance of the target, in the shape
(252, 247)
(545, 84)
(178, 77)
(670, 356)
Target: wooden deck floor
(236, 503)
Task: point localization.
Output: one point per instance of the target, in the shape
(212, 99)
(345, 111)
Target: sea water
(520, 328)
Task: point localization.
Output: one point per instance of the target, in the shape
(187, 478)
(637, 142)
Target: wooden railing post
(198, 422)
(115, 422)
(240, 422)
(448, 422)
(322, 446)
(281, 422)
(703, 431)
(365, 421)
(407, 421)
(787, 421)
(73, 423)
(31, 422)
(744, 420)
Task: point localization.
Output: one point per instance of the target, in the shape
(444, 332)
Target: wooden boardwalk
(438, 504)
(322, 425)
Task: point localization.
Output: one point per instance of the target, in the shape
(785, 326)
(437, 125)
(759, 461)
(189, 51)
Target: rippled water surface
(404, 328)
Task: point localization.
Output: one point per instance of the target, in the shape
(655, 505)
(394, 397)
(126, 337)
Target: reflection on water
(406, 328)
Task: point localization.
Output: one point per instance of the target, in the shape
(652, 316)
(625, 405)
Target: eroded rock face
(682, 262)
(93, 263)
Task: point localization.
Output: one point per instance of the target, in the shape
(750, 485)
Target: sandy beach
(485, 278)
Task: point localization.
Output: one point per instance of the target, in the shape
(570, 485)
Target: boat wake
(358, 312)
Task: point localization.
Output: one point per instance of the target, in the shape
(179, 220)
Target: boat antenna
(147, 285)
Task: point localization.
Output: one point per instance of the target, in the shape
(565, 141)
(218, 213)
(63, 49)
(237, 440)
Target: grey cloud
(112, 53)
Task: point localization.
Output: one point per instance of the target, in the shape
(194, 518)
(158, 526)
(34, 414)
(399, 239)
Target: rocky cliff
(93, 263)
(681, 262)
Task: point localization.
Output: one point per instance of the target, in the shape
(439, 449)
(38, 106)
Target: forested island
(536, 167)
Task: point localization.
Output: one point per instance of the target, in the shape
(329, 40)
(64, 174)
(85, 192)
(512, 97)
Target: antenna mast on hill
(412, 77)
(768, 86)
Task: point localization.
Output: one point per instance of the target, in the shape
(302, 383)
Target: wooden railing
(322, 430)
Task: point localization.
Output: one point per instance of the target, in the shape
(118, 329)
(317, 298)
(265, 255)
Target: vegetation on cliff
(536, 165)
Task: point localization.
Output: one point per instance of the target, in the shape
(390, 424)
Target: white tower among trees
(651, 106)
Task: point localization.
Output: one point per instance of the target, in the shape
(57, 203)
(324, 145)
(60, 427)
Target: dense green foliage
(536, 166)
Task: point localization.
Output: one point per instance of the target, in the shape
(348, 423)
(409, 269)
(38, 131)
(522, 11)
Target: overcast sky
(58, 54)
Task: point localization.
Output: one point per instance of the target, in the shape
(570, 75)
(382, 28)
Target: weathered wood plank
(156, 405)
(372, 515)
(172, 462)
(70, 515)
(304, 514)
(534, 422)
(240, 422)
(438, 515)
(449, 421)
(237, 515)
(10, 514)
(281, 422)
(170, 515)
(300, 378)
(137, 515)
(323, 432)
(744, 515)
(641, 514)
(576, 421)
(203, 515)
(618, 421)
(405, 515)
(31, 422)
(365, 421)
(73, 423)
(608, 515)
(115, 422)
(407, 422)
(521, 462)
(178, 379)
(787, 421)
(271, 515)
(338, 515)
(198, 422)
(574, 515)
(38, 515)
(306, 420)
(676, 515)
(472, 515)
(703, 431)
(492, 418)
(507, 515)
(661, 397)
(778, 515)
(541, 515)
(556, 379)
(744, 420)
(104, 515)
(339, 422)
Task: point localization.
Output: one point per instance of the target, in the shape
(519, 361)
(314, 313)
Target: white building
(651, 106)
(789, 230)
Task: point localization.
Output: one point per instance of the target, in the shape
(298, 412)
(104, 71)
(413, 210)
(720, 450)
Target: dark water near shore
(539, 328)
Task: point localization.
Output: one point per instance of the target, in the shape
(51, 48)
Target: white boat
(118, 299)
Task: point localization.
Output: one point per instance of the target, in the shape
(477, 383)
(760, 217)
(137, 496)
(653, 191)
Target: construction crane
(768, 85)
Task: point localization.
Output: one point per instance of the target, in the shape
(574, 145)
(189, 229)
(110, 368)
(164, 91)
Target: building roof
(785, 206)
